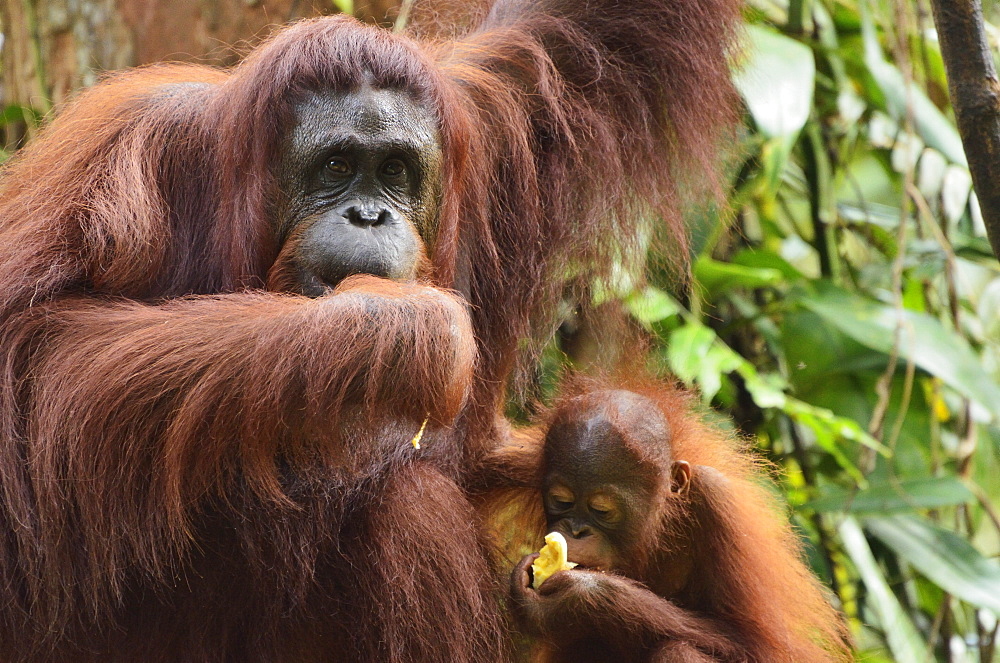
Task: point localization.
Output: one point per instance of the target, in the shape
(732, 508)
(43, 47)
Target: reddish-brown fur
(749, 598)
(194, 470)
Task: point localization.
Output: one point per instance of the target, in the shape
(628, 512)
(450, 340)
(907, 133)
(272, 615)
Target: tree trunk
(50, 48)
(53, 46)
(975, 96)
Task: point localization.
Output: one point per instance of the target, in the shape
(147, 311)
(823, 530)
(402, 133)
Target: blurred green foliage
(850, 320)
(16, 123)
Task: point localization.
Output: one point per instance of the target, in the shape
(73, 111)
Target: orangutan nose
(365, 217)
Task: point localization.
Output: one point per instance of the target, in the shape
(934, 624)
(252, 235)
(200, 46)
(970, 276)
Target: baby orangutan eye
(604, 509)
(561, 500)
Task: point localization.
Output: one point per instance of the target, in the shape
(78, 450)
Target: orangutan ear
(680, 477)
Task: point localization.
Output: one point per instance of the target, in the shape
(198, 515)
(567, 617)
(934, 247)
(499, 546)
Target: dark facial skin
(359, 181)
(596, 491)
(592, 496)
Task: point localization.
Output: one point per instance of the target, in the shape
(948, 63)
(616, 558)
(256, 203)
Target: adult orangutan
(207, 398)
(682, 555)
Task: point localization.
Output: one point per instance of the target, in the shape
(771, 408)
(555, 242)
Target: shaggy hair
(193, 468)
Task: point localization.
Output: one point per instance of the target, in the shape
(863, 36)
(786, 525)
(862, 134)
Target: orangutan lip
(583, 566)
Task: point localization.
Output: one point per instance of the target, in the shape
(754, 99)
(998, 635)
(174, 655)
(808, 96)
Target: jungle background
(843, 313)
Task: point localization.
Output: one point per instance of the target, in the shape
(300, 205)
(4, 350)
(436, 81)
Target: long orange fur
(194, 469)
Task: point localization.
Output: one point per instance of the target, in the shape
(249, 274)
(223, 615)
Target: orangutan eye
(393, 168)
(339, 166)
(604, 509)
(560, 501)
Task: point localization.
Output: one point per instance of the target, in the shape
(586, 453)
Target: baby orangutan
(683, 556)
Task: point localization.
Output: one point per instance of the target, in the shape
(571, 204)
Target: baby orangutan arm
(573, 610)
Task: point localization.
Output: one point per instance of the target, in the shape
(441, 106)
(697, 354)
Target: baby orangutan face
(604, 490)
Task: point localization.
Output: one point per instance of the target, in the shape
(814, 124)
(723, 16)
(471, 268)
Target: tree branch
(975, 96)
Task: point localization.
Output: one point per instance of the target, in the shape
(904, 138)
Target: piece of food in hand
(551, 559)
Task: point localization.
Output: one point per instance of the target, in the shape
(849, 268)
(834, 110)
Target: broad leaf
(777, 82)
(900, 633)
(717, 277)
(883, 497)
(696, 357)
(922, 340)
(944, 557)
(651, 305)
(900, 98)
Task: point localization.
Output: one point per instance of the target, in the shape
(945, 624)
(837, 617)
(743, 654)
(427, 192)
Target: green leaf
(651, 305)
(944, 557)
(767, 390)
(777, 82)
(17, 113)
(828, 429)
(901, 634)
(817, 351)
(774, 155)
(866, 183)
(719, 361)
(763, 259)
(344, 6)
(989, 310)
(688, 344)
(931, 124)
(922, 340)
(928, 493)
(696, 357)
(717, 277)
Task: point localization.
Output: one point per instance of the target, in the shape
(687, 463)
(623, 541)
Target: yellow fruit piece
(420, 434)
(551, 558)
